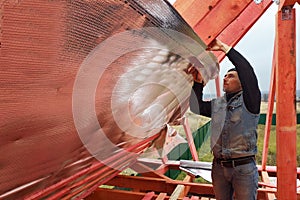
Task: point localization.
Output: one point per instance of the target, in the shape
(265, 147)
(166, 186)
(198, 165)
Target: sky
(257, 46)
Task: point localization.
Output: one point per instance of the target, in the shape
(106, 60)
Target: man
(234, 119)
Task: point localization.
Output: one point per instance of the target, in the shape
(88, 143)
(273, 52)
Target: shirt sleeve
(251, 91)
(197, 105)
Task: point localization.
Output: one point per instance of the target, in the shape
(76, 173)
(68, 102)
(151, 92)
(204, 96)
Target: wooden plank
(285, 105)
(142, 183)
(103, 193)
(182, 5)
(265, 179)
(181, 190)
(218, 88)
(194, 11)
(161, 196)
(269, 113)
(190, 139)
(149, 196)
(219, 18)
(202, 189)
(176, 193)
(235, 31)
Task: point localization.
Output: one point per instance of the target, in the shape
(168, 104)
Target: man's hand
(196, 74)
(217, 45)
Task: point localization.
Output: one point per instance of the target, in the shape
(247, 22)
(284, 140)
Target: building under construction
(90, 89)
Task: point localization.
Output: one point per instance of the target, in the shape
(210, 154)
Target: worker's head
(231, 82)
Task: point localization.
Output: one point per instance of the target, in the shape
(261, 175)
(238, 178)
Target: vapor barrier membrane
(83, 80)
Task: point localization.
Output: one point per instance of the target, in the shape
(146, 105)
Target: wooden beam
(190, 139)
(149, 196)
(202, 189)
(270, 112)
(194, 10)
(218, 88)
(175, 165)
(266, 179)
(219, 18)
(273, 170)
(286, 3)
(235, 31)
(285, 104)
(182, 5)
(181, 190)
(142, 183)
(104, 193)
(161, 196)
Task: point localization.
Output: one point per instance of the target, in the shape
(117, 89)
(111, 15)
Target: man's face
(231, 82)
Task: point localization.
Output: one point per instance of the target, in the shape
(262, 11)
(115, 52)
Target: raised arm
(197, 105)
(249, 83)
(251, 92)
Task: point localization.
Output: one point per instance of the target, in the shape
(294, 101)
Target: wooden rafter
(242, 24)
(229, 28)
(194, 11)
(219, 18)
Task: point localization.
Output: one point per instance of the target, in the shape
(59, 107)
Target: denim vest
(233, 128)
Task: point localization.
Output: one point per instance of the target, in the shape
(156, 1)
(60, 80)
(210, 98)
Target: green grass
(271, 160)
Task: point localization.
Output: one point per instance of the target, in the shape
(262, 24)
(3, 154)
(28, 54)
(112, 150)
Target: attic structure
(87, 87)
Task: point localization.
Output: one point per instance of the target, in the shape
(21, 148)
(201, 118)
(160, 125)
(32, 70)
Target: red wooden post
(285, 104)
(269, 113)
(218, 89)
(149, 196)
(190, 139)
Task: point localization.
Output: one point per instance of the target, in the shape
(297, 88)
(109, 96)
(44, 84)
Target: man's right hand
(217, 45)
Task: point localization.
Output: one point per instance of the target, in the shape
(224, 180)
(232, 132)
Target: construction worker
(234, 119)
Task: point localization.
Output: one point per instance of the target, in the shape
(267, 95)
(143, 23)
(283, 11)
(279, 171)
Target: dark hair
(232, 69)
